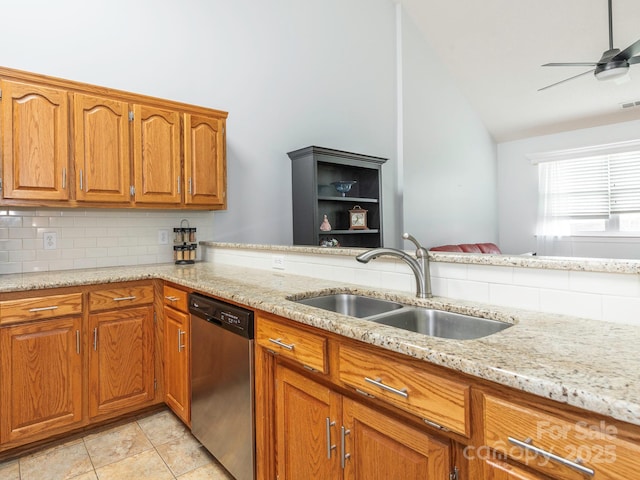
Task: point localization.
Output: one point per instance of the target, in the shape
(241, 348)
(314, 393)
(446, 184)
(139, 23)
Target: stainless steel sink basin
(350, 304)
(438, 323)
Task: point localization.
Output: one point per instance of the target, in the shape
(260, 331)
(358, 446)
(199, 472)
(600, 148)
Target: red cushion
(447, 248)
(468, 248)
(488, 248)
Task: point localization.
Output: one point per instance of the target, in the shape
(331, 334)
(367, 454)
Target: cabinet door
(102, 162)
(176, 367)
(307, 428)
(379, 448)
(156, 153)
(40, 377)
(35, 129)
(120, 360)
(498, 470)
(204, 161)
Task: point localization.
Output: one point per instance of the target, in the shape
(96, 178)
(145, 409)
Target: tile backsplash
(88, 238)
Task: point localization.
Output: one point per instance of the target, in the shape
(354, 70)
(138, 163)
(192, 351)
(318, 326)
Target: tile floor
(153, 447)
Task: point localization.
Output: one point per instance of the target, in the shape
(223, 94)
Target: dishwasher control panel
(228, 316)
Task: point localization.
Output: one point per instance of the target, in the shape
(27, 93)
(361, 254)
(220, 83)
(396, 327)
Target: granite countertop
(585, 363)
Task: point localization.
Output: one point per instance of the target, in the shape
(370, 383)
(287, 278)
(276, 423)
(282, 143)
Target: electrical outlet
(163, 237)
(277, 262)
(50, 241)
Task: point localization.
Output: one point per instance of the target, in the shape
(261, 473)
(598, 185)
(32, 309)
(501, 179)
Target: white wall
(291, 74)
(449, 157)
(518, 194)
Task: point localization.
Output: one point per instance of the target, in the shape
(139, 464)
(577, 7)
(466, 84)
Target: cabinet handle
(343, 454)
(180, 344)
(64, 177)
(179, 185)
(95, 339)
(81, 189)
(43, 309)
(171, 298)
(122, 299)
(190, 190)
(329, 446)
(278, 341)
(78, 342)
(526, 445)
(378, 383)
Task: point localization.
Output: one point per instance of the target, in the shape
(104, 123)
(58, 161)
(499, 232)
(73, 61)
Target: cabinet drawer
(436, 400)
(591, 445)
(304, 347)
(37, 308)
(120, 297)
(176, 298)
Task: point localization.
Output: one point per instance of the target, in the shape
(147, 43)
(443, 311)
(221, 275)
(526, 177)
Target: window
(592, 191)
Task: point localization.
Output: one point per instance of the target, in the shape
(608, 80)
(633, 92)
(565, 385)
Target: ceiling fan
(613, 64)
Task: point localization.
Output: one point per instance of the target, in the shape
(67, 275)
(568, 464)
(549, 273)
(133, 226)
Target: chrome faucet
(419, 265)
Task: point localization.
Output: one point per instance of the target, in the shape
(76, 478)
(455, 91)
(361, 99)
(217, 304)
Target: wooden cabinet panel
(101, 153)
(498, 470)
(304, 347)
(120, 297)
(590, 444)
(37, 308)
(156, 155)
(35, 129)
(121, 371)
(304, 441)
(379, 448)
(40, 377)
(177, 385)
(176, 298)
(204, 161)
(433, 398)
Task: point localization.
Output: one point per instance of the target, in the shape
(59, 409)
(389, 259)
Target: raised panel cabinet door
(377, 447)
(156, 153)
(35, 129)
(101, 153)
(307, 428)
(177, 394)
(40, 377)
(121, 373)
(204, 161)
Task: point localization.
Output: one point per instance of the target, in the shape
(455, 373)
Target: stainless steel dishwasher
(222, 404)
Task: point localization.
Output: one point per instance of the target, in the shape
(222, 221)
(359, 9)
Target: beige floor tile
(113, 445)
(57, 463)
(163, 427)
(212, 471)
(10, 470)
(146, 465)
(86, 476)
(184, 454)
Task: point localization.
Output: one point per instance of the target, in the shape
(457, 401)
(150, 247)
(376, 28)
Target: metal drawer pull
(343, 454)
(78, 342)
(171, 298)
(42, 309)
(329, 446)
(180, 344)
(121, 299)
(278, 341)
(64, 177)
(377, 382)
(95, 339)
(568, 463)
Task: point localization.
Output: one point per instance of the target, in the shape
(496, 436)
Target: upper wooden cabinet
(35, 129)
(204, 160)
(101, 153)
(68, 144)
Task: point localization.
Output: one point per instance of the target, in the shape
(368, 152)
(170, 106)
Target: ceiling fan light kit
(613, 65)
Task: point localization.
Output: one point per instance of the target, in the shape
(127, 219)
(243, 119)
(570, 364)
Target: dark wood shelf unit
(313, 169)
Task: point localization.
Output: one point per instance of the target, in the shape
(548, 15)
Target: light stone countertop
(585, 363)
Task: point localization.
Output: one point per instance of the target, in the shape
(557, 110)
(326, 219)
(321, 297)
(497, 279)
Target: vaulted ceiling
(494, 50)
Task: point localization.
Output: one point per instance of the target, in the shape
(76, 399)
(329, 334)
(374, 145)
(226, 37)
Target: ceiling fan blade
(631, 51)
(633, 60)
(571, 64)
(565, 80)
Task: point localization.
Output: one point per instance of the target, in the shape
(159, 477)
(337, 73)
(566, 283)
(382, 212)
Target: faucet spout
(419, 265)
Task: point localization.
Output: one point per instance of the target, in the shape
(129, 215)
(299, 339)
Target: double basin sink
(428, 321)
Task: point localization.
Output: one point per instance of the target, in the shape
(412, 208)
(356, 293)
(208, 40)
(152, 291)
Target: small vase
(325, 226)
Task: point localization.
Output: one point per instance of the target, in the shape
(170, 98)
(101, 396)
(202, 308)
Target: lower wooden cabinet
(177, 337)
(321, 434)
(121, 373)
(41, 377)
(499, 470)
